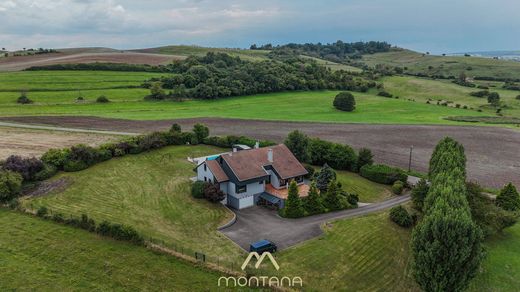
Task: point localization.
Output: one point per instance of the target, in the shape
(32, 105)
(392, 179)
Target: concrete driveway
(258, 223)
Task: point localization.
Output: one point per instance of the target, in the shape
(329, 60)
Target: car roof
(260, 243)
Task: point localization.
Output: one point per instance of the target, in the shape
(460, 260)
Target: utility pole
(410, 160)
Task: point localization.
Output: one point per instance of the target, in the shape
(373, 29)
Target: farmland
(28, 142)
(150, 192)
(40, 255)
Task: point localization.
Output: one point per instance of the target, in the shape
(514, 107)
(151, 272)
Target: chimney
(270, 155)
(257, 145)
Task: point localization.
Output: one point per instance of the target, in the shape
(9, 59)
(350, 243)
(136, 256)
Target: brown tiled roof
(303, 191)
(217, 171)
(250, 164)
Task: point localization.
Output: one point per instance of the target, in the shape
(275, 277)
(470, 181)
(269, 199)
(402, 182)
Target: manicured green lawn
(151, 192)
(289, 106)
(367, 253)
(38, 255)
(367, 191)
(501, 268)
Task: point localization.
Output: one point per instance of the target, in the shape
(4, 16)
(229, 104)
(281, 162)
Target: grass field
(63, 87)
(422, 89)
(45, 256)
(445, 65)
(288, 106)
(150, 192)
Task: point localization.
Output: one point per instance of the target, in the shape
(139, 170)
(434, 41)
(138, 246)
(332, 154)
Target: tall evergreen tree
(313, 203)
(508, 199)
(293, 205)
(332, 200)
(324, 177)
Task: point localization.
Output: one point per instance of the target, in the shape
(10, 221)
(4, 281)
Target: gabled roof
(217, 171)
(250, 164)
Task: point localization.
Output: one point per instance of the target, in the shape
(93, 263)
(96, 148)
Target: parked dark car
(263, 246)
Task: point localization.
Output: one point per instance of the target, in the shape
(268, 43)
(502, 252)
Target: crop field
(37, 254)
(445, 65)
(28, 142)
(150, 192)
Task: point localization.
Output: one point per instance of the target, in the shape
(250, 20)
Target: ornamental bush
(10, 185)
(401, 217)
(508, 199)
(102, 99)
(382, 174)
(398, 187)
(345, 101)
(197, 189)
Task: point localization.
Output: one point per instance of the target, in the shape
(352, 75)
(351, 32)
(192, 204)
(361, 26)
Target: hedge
(383, 174)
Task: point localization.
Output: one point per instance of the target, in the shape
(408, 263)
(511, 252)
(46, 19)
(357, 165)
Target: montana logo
(260, 259)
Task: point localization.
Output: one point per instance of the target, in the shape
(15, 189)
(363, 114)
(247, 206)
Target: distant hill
(418, 63)
(504, 55)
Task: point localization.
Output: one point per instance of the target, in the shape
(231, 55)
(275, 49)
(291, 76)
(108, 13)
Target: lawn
(445, 65)
(42, 255)
(368, 191)
(501, 269)
(367, 253)
(313, 106)
(150, 192)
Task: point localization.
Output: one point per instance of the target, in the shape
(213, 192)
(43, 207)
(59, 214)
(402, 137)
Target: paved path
(257, 223)
(63, 129)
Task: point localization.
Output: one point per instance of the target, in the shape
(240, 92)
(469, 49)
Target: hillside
(445, 65)
(183, 51)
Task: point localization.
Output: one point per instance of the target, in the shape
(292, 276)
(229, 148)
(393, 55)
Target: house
(254, 176)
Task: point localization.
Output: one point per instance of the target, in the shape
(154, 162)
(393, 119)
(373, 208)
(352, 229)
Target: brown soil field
(28, 143)
(493, 155)
(83, 56)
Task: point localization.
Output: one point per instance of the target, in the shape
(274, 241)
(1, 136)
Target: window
(260, 182)
(205, 179)
(205, 167)
(299, 179)
(240, 189)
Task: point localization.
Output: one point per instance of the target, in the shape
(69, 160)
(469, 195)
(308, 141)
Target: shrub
(518, 97)
(176, 128)
(42, 211)
(338, 156)
(400, 216)
(419, 192)
(298, 143)
(310, 171)
(345, 101)
(313, 203)
(353, 199)
(56, 157)
(200, 131)
(74, 165)
(482, 93)
(48, 171)
(365, 157)
(332, 200)
(197, 189)
(23, 99)
(119, 232)
(27, 167)
(383, 174)
(398, 187)
(58, 217)
(10, 185)
(213, 193)
(508, 199)
(87, 223)
(102, 99)
(385, 94)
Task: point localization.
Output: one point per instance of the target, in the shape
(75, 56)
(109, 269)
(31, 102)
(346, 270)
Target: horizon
(468, 26)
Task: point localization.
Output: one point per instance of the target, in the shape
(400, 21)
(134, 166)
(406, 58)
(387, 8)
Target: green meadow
(38, 255)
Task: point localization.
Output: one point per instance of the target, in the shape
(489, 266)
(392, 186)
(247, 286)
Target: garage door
(247, 202)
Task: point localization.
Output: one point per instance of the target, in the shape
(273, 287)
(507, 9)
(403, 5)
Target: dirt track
(493, 153)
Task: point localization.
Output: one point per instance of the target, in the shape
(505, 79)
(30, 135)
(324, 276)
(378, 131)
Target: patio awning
(270, 198)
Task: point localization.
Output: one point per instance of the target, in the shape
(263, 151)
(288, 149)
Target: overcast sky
(438, 26)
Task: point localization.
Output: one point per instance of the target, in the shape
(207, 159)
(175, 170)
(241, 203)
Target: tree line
(221, 75)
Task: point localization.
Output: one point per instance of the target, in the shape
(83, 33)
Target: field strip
(63, 129)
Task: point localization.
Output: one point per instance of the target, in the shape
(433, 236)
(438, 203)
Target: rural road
(492, 152)
(258, 223)
(63, 129)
